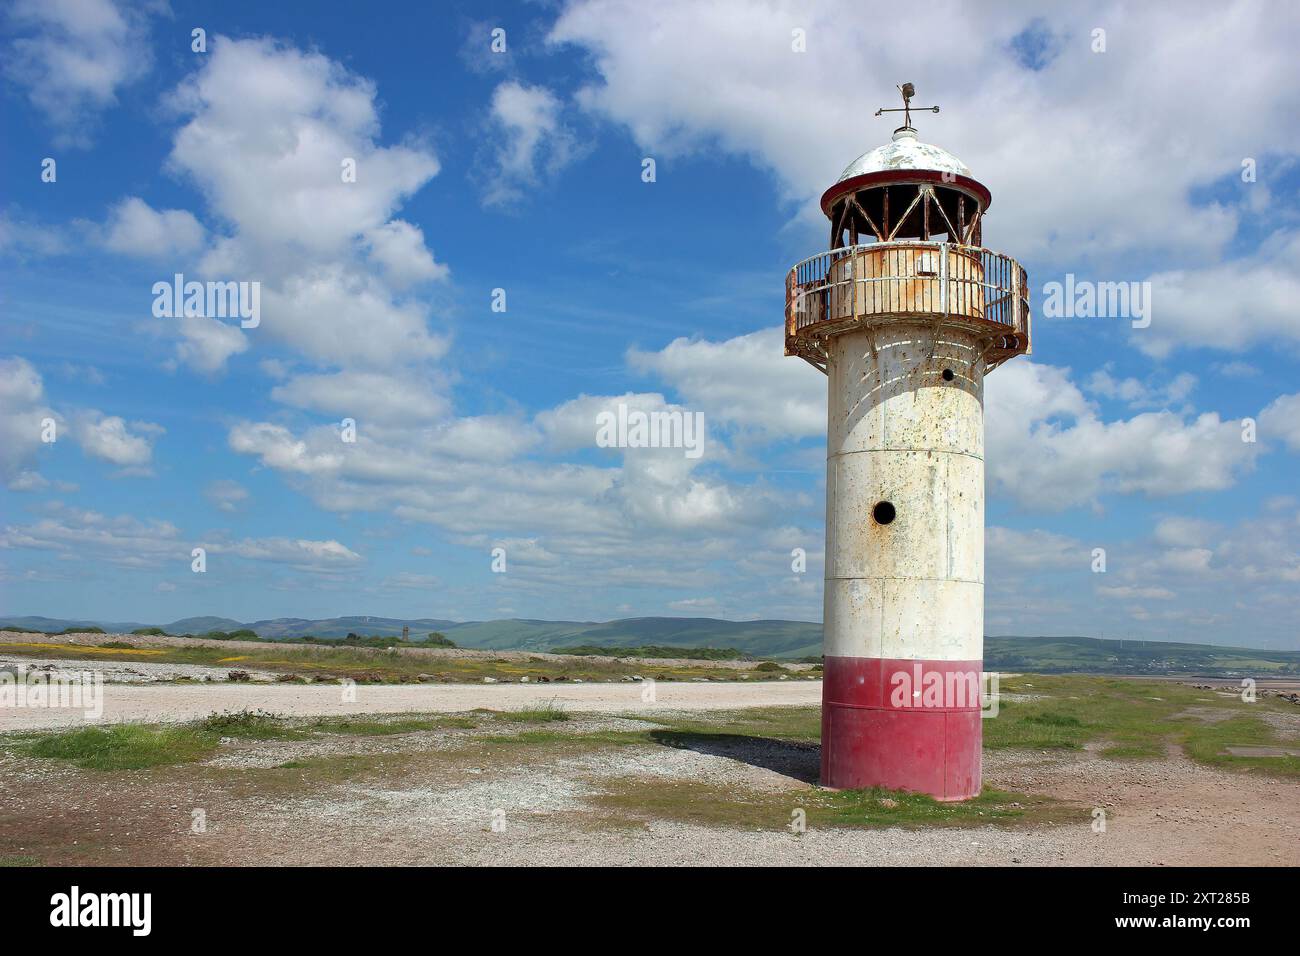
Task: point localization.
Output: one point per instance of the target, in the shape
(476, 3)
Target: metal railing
(908, 278)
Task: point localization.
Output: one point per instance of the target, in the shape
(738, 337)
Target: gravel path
(168, 702)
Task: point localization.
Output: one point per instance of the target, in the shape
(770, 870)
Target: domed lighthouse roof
(905, 152)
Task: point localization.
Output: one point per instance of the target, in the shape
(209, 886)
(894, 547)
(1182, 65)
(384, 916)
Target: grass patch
(6, 861)
(707, 804)
(1131, 719)
(547, 713)
(125, 746)
(250, 725)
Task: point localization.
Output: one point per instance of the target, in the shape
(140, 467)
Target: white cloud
(1124, 592)
(128, 541)
(1071, 173)
(75, 56)
(746, 381)
(533, 141)
(267, 129)
(22, 410)
(109, 438)
(299, 553)
(399, 248)
(137, 229)
(1009, 549)
(1048, 448)
(207, 344)
(1233, 306)
(1139, 394)
(395, 397)
(1281, 420)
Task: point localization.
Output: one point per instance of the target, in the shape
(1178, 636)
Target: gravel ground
(127, 672)
(174, 703)
(447, 801)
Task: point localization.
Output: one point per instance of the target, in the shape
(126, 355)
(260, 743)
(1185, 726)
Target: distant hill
(343, 626)
(787, 639)
(52, 624)
(1048, 655)
(200, 625)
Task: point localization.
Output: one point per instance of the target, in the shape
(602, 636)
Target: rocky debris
(489, 680)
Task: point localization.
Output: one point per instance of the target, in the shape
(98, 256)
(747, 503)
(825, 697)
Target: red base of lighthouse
(902, 725)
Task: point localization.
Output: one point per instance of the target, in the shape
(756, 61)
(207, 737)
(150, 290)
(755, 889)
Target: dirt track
(172, 702)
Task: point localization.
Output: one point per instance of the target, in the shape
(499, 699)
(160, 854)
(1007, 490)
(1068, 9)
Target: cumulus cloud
(722, 379)
(73, 57)
(533, 141)
(22, 412)
(1049, 448)
(206, 344)
(1232, 306)
(1281, 421)
(110, 439)
(268, 133)
(1068, 129)
(137, 229)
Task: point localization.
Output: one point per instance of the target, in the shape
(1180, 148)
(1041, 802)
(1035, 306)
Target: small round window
(883, 512)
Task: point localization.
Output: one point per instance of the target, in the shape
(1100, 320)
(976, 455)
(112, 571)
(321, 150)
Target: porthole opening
(883, 512)
(947, 375)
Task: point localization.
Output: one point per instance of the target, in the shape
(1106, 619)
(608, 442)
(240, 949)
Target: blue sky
(522, 171)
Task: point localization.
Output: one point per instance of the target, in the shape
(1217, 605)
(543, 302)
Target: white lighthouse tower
(905, 314)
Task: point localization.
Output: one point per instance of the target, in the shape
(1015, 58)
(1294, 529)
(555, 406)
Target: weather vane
(908, 91)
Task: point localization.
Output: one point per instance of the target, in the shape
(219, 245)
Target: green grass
(125, 746)
(1129, 719)
(6, 861)
(547, 713)
(703, 803)
(137, 746)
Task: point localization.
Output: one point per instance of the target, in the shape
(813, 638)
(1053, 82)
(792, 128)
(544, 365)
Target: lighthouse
(906, 313)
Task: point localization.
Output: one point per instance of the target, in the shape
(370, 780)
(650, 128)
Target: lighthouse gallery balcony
(880, 282)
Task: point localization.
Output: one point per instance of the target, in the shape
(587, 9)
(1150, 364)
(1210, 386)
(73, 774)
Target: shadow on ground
(799, 761)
